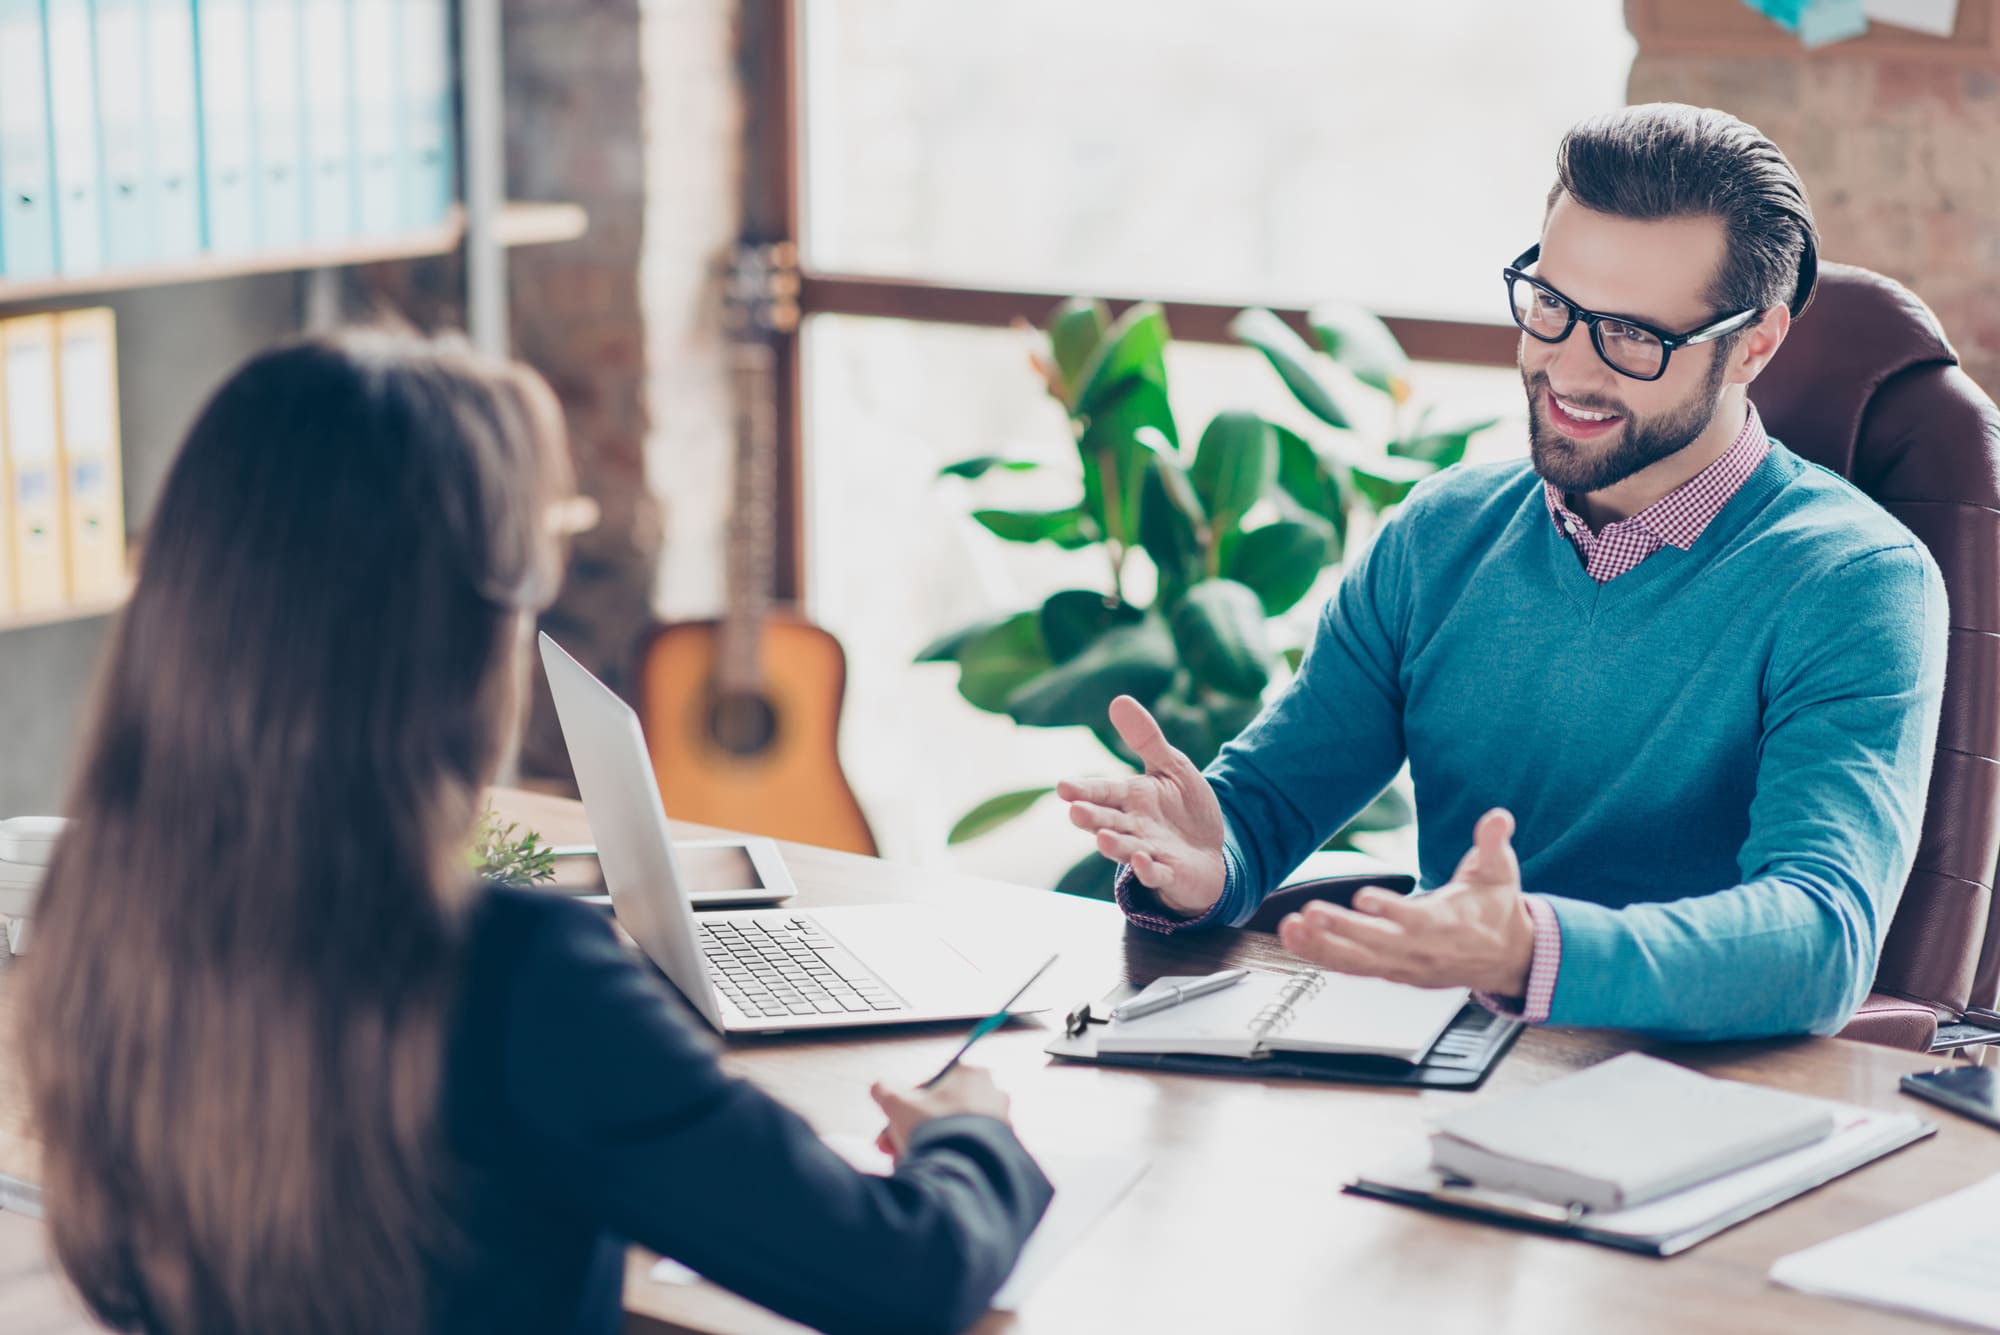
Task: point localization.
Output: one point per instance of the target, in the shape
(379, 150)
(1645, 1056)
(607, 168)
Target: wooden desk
(1239, 1223)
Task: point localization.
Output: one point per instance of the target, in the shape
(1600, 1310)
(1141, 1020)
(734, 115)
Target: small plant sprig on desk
(500, 858)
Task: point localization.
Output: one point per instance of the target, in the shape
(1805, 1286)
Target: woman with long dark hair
(292, 1071)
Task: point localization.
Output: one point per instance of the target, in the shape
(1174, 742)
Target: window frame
(772, 64)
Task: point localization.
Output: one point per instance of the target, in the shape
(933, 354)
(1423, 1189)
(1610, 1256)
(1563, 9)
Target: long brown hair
(246, 951)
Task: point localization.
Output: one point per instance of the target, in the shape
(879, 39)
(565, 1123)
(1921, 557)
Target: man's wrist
(1518, 954)
(1144, 905)
(1536, 999)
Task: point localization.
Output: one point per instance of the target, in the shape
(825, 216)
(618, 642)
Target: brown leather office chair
(1868, 386)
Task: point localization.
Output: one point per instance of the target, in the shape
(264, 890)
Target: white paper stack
(1935, 1260)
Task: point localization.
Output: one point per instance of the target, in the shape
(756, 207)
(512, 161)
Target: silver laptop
(766, 970)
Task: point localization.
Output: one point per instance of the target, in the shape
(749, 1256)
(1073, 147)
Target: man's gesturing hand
(1474, 931)
(1166, 822)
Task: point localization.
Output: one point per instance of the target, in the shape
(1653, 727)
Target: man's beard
(1637, 445)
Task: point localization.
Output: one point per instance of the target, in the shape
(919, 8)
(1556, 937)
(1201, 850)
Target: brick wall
(630, 109)
(574, 100)
(1897, 137)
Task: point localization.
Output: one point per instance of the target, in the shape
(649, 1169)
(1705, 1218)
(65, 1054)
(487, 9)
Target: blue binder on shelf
(378, 117)
(122, 77)
(428, 109)
(74, 136)
(228, 144)
(27, 173)
(329, 125)
(174, 127)
(277, 115)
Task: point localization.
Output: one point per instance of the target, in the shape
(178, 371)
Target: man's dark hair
(1669, 160)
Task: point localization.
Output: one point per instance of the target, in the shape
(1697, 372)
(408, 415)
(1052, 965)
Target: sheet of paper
(1087, 1186)
(1935, 1260)
(1824, 22)
(1936, 17)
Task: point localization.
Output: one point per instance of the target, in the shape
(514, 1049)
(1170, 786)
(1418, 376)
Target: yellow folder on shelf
(34, 463)
(94, 491)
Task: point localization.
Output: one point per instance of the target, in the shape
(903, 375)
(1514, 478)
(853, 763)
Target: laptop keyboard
(777, 965)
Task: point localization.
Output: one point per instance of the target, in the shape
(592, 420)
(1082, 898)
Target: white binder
(174, 119)
(277, 115)
(229, 147)
(329, 124)
(73, 131)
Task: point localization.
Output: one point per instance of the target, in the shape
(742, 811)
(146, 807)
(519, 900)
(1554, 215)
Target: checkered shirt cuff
(1542, 967)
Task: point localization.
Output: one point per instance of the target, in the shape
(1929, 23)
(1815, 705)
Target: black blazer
(584, 1108)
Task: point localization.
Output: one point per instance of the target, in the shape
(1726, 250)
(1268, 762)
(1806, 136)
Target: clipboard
(1468, 1050)
(1672, 1224)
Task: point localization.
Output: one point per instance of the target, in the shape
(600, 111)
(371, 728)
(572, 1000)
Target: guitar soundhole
(742, 724)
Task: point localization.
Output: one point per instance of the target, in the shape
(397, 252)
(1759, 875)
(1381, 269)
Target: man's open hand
(1474, 931)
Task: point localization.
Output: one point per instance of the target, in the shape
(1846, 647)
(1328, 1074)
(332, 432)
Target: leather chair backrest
(1867, 385)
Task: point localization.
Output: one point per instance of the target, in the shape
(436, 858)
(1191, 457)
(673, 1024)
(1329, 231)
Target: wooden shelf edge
(519, 225)
(541, 224)
(55, 616)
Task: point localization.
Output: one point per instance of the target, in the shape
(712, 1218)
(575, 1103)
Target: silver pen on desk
(1174, 996)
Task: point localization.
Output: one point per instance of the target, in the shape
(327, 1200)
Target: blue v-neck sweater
(1717, 761)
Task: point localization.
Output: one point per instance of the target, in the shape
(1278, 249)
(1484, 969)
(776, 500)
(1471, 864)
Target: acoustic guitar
(742, 713)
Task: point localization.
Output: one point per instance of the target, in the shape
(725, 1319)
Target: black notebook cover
(1463, 1055)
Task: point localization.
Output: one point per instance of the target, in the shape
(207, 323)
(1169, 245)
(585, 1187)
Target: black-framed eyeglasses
(1630, 347)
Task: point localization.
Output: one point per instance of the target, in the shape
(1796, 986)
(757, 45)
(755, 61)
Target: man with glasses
(1668, 693)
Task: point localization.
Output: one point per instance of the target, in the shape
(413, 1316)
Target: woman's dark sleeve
(628, 1114)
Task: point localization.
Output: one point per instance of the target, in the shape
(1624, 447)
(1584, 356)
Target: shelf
(519, 225)
(55, 616)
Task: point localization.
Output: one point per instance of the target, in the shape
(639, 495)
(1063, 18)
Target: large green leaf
(982, 464)
(1386, 481)
(1116, 744)
(1202, 727)
(1281, 561)
(1185, 726)
(1074, 618)
(999, 660)
(1440, 443)
(1095, 877)
(1136, 660)
(1234, 465)
(1117, 444)
(945, 648)
(1171, 525)
(1293, 360)
(1363, 344)
(1218, 626)
(1076, 328)
(1390, 810)
(1068, 529)
(1306, 477)
(1135, 346)
(1229, 715)
(993, 813)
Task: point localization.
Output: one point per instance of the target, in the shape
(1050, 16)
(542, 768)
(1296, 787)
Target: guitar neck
(761, 313)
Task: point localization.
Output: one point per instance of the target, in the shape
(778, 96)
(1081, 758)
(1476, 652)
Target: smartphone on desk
(1971, 1090)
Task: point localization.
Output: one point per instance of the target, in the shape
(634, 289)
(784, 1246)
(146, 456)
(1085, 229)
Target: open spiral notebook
(1307, 1010)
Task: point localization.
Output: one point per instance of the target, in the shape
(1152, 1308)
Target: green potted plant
(502, 855)
(1236, 530)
